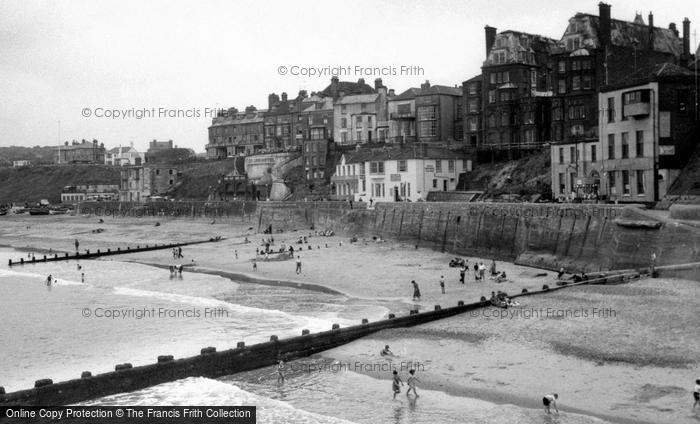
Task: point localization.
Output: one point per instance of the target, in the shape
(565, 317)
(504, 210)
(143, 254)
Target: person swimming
(386, 351)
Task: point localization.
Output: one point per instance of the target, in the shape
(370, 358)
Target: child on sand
(255, 265)
(395, 384)
(386, 351)
(549, 401)
(442, 284)
(412, 383)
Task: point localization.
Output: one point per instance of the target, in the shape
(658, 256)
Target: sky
(83, 69)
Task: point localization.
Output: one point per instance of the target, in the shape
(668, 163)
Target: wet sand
(636, 365)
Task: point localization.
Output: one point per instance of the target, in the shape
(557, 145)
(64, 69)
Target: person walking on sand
(235, 253)
(476, 271)
(77, 245)
(395, 384)
(696, 394)
(298, 264)
(493, 268)
(82, 277)
(548, 401)
(416, 290)
(482, 271)
(442, 284)
(462, 272)
(255, 265)
(652, 265)
(412, 383)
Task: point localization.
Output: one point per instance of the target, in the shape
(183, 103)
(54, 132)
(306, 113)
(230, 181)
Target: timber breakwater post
(108, 252)
(213, 364)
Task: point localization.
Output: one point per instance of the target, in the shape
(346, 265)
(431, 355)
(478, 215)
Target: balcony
(637, 109)
(402, 115)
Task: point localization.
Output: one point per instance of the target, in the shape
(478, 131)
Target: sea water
(72, 326)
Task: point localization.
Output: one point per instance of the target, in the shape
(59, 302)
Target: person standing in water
(280, 371)
(77, 245)
(395, 384)
(412, 383)
(548, 401)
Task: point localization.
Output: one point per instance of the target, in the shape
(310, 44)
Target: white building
(397, 174)
(121, 156)
(20, 163)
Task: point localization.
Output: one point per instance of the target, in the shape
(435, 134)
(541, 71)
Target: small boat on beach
(39, 211)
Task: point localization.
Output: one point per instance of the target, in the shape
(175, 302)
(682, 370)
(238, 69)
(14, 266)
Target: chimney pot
(361, 81)
(377, 83)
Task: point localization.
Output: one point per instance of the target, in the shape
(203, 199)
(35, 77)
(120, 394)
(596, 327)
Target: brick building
(315, 125)
(472, 111)
(515, 100)
(234, 133)
(361, 118)
(596, 51)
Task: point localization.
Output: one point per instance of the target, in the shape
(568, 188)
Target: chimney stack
(425, 85)
(284, 97)
(272, 101)
(686, 42)
(651, 31)
(604, 14)
(490, 38)
(392, 93)
(361, 81)
(377, 83)
(672, 27)
(302, 94)
(334, 87)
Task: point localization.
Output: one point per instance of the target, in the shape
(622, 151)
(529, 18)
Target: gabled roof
(476, 78)
(409, 94)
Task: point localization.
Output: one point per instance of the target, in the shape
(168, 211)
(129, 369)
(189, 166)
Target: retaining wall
(578, 237)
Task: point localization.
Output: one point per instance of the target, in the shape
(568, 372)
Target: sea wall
(212, 363)
(575, 236)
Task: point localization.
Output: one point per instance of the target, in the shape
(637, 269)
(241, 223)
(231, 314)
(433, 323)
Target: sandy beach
(625, 353)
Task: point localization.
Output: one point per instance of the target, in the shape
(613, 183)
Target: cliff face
(32, 183)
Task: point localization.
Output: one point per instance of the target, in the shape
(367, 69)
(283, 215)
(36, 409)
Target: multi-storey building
(235, 133)
(139, 183)
(315, 124)
(278, 124)
(361, 118)
(648, 130)
(402, 117)
(472, 111)
(80, 152)
(400, 173)
(596, 51)
(439, 115)
(515, 91)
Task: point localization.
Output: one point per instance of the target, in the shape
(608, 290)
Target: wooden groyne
(212, 363)
(99, 252)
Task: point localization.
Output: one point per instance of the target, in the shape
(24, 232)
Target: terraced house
(235, 133)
